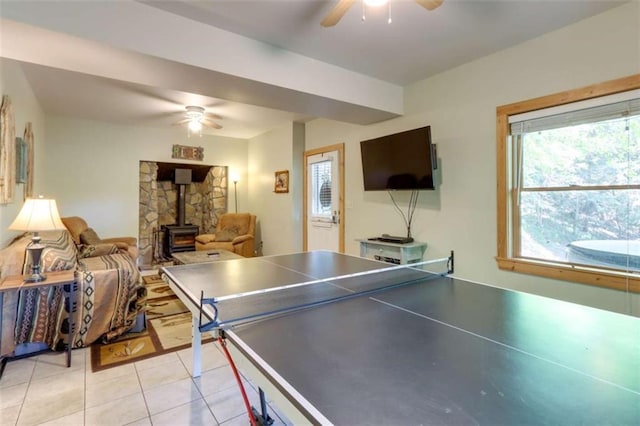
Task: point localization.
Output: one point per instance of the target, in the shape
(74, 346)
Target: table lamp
(37, 214)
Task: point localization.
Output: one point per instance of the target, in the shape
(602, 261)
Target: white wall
(26, 109)
(460, 106)
(276, 213)
(92, 168)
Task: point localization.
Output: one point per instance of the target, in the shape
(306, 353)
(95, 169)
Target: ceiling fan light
(195, 126)
(192, 109)
(196, 120)
(375, 3)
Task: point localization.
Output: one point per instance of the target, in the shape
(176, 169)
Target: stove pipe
(182, 179)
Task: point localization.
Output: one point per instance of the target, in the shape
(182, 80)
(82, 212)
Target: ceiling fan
(196, 117)
(341, 8)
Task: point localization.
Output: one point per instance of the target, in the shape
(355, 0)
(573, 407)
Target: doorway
(323, 206)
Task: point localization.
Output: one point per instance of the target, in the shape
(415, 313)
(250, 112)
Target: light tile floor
(40, 390)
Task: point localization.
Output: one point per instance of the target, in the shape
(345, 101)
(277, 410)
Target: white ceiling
(259, 63)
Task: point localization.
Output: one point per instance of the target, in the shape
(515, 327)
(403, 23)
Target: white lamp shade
(38, 214)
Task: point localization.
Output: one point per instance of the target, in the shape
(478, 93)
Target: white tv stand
(399, 254)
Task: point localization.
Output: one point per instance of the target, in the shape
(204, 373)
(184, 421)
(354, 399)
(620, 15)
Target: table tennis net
(246, 307)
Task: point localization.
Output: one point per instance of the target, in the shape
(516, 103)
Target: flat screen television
(402, 161)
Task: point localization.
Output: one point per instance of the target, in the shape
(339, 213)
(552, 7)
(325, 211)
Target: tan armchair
(235, 232)
(82, 234)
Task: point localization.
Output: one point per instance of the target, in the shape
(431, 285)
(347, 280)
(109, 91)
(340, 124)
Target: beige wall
(92, 167)
(460, 106)
(278, 214)
(26, 109)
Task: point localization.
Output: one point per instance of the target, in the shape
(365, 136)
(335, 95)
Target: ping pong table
(426, 349)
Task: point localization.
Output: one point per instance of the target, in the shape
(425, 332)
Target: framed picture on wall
(282, 181)
(21, 161)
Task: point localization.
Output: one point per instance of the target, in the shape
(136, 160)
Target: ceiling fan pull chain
(389, 11)
(364, 18)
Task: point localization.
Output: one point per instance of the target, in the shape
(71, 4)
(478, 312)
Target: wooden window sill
(596, 277)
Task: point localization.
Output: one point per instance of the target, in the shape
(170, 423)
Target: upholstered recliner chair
(82, 234)
(235, 232)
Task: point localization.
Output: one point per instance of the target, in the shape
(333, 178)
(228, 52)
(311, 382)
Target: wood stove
(180, 237)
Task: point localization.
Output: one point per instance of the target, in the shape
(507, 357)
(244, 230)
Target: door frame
(323, 150)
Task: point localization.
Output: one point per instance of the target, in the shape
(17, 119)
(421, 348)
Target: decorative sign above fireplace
(185, 152)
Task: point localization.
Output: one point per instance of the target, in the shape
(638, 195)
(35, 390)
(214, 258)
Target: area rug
(168, 330)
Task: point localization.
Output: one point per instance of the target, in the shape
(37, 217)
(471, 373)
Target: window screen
(321, 188)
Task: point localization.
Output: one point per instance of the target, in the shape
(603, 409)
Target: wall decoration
(29, 140)
(7, 151)
(282, 181)
(21, 161)
(188, 152)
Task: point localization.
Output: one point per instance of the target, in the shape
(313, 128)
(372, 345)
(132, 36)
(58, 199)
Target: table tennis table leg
(262, 417)
(196, 346)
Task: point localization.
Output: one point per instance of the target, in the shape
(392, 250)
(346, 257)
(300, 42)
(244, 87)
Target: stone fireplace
(204, 201)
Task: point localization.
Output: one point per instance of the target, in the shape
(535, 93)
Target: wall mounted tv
(402, 161)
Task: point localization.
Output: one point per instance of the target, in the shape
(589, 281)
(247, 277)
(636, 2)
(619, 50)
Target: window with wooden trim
(569, 185)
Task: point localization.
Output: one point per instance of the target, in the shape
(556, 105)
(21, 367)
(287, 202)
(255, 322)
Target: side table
(399, 254)
(66, 279)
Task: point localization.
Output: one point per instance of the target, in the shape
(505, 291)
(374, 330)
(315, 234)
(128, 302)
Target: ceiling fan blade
(213, 115)
(177, 123)
(211, 124)
(337, 13)
(429, 4)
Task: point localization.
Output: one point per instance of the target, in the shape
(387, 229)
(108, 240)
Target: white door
(323, 220)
